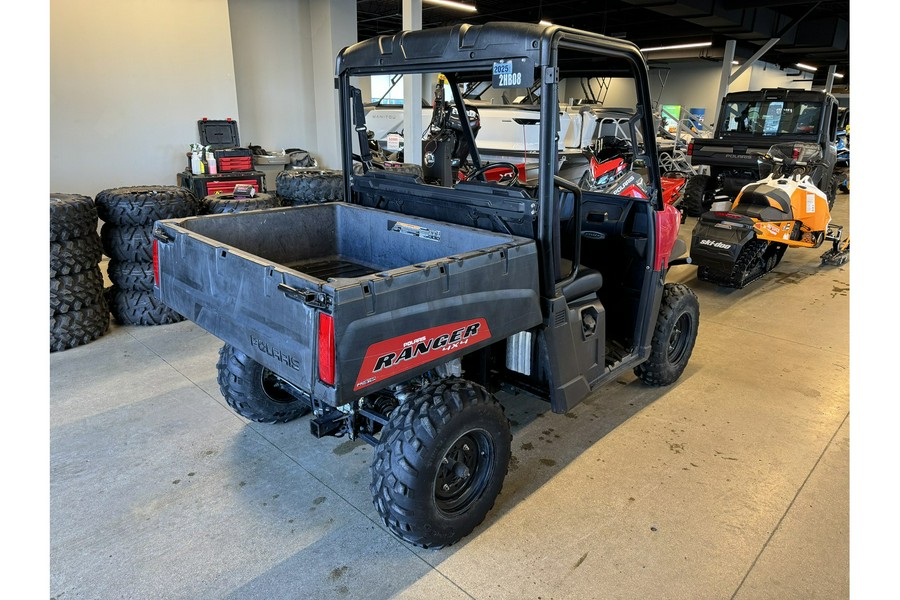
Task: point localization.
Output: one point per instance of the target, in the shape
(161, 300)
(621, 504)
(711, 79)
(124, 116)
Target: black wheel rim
(679, 338)
(273, 387)
(464, 472)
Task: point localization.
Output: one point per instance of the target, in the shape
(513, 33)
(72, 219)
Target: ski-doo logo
(396, 355)
(715, 244)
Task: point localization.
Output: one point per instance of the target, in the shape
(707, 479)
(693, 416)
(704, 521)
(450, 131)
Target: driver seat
(588, 282)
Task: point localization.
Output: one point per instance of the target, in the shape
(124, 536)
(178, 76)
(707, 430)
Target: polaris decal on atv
(715, 244)
(402, 353)
(274, 352)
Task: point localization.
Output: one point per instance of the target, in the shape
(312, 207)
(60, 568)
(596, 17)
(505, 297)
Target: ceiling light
(839, 75)
(734, 62)
(545, 23)
(677, 47)
(451, 4)
(807, 67)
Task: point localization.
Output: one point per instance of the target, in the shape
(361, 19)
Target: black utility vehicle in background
(394, 315)
(748, 124)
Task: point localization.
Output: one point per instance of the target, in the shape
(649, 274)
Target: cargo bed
(279, 284)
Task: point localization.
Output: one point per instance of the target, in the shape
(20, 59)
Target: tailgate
(249, 303)
(728, 153)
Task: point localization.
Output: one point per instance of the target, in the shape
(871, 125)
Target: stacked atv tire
(295, 187)
(128, 215)
(78, 310)
(227, 203)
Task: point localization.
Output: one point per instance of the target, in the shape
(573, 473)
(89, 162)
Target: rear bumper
(717, 244)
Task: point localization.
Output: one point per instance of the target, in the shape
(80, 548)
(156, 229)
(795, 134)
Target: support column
(727, 59)
(333, 27)
(829, 81)
(412, 92)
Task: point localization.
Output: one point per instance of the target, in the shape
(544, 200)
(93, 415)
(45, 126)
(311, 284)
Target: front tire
(440, 463)
(674, 336)
(694, 194)
(255, 392)
(831, 193)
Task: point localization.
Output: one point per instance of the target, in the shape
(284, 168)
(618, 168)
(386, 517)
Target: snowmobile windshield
(772, 117)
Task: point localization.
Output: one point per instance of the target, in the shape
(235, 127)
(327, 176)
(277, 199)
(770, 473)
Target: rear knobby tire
(253, 391)
(831, 193)
(673, 338)
(142, 205)
(313, 186)
(694, 194)
(71, 216)
(130, 307)
(440, 463)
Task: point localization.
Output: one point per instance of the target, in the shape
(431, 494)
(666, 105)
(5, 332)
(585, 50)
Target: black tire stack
(227, 203)
(128, 215)
(295, 187)
(78, 310)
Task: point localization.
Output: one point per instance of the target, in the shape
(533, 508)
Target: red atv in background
(611, 170)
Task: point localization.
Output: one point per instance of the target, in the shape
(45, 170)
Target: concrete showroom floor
(731, 483)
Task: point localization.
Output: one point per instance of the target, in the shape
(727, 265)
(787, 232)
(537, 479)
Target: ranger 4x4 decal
(396, 355)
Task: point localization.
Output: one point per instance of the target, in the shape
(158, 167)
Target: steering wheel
(487, 167)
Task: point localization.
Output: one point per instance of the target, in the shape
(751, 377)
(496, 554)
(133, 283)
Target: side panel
(393, 329)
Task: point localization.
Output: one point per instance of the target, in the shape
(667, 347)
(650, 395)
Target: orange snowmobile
(736, 243)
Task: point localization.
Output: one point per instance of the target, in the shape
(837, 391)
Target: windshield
(771, 117)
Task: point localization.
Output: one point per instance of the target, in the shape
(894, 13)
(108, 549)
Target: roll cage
(464, 53)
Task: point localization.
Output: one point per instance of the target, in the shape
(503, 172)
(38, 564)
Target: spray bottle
(196, 163)
(211, 161)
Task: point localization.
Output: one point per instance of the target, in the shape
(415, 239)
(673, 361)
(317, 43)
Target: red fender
(668, 221)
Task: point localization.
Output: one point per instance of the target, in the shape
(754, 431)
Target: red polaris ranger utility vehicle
(392, 316)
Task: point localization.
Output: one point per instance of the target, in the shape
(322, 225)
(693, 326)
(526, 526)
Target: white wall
(130, 78)
(333, 26)
(128, 81)
(765, 75)
(697, 85)
(274, 73)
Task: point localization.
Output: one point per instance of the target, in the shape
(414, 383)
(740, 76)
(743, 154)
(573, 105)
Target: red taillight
(156, 262)
(326, 348)
(691, 149)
